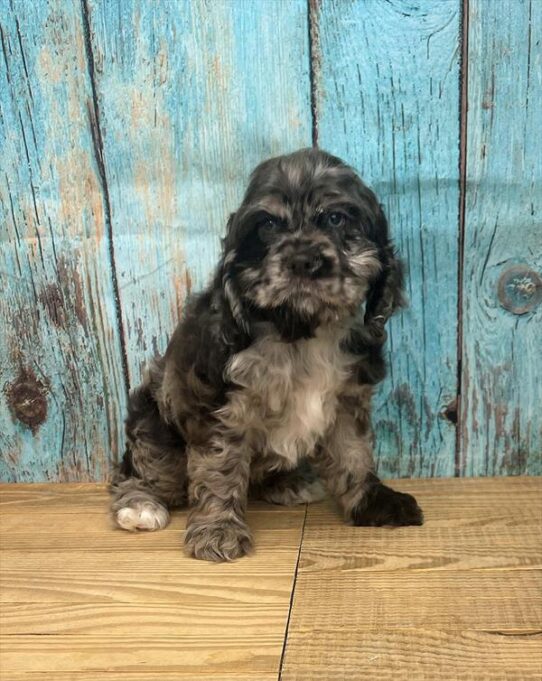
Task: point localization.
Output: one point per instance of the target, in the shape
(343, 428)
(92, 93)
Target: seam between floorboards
(292, 594)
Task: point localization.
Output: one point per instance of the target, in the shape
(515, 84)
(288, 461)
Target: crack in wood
(463, 117)
(314, 63)
(96, 134)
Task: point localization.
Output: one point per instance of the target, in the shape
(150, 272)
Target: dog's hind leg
(152, 476)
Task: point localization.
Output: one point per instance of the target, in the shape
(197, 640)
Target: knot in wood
(27, 400)
(519, 289)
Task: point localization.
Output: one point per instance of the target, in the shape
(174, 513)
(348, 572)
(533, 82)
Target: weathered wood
(61, 379)
(117, 577)
(151, 673)
(80, 597)
(412, 654)
(66, 534)
(458, 598)
(192, 95)
(501, 428)
(417, 599)
(147, 674)
(191, 657)
(483, 524)
(387, 100)
(128, 130)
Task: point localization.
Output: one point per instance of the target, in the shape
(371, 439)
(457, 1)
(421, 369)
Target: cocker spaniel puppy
(265, 388)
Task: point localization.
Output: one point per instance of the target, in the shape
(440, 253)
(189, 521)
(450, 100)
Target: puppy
(265, 388)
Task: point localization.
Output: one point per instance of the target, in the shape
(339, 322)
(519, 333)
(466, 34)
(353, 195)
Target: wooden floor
(459, 598)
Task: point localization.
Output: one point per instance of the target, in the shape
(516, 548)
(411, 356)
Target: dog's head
(308, 245)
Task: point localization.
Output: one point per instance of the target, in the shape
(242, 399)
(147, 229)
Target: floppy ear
(386, 292)
(229, 286)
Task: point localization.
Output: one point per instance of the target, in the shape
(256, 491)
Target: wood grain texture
(459, 598)
(192, 95)
(387, 101)
(414, 655)
(189, 657)
(62, 390)
(57, 528)
(484, 524)
(501, 429)
(112, 577)
(151, 674)
(81, 598)
(415, 599)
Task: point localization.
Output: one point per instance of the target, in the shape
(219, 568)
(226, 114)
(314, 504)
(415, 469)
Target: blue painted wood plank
(61, 383)
(502, 345)
(387, 100)
(192, 95)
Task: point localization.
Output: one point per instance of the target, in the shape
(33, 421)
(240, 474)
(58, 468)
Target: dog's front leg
(218, 483)
(345, 461)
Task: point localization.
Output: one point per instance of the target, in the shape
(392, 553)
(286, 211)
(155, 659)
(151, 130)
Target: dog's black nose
(306, 263)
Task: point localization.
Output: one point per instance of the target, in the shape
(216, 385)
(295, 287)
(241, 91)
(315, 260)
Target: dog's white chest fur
(286, 393)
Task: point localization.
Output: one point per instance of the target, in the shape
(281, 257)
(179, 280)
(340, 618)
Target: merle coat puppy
(265, 388)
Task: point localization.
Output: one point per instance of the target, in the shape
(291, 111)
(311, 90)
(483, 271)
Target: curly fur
(265, 387)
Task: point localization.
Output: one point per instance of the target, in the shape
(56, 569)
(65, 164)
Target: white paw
(145, 515)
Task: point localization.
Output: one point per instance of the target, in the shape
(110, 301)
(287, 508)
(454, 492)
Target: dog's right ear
(386, 292)
(229, 285)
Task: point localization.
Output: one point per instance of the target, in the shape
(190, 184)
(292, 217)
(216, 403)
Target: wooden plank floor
(459, 598)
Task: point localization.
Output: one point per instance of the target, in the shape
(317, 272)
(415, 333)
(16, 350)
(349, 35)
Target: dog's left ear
(385, 295)
(229, 286)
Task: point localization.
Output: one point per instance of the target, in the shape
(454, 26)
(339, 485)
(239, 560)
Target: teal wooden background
(127, 131)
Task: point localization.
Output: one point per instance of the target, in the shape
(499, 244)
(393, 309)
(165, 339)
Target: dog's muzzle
(306, 264)
(308, 261)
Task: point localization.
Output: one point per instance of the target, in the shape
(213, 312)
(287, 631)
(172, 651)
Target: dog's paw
(218, 542)
(145, 515)
(382, 505)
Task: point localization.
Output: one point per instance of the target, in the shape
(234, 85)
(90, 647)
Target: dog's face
(308, 241)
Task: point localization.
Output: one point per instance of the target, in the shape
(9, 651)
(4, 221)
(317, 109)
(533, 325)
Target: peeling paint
(70, 280)
(52, 300)
(369, 82)
(188, 282)
(185, 112)
(56, 309)
(502, 284)
(406, 403)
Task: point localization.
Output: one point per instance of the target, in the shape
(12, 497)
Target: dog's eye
(335, 219)
(267, 228)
